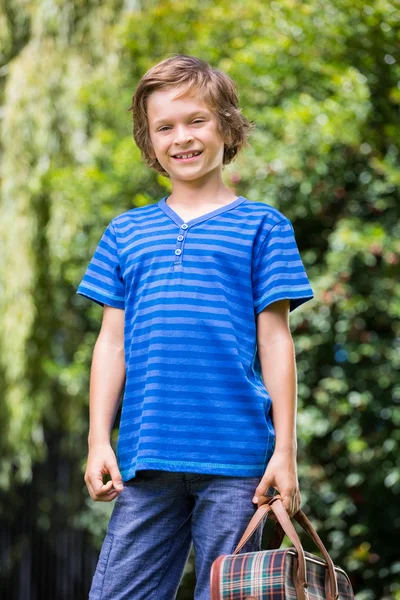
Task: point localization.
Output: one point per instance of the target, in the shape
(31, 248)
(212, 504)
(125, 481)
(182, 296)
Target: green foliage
(321, 82)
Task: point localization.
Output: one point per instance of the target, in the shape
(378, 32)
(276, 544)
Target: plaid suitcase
(278, 574)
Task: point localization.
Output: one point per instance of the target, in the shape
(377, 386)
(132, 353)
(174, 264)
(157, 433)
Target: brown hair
(215, 87)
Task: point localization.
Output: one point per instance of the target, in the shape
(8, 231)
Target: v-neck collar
(178, 220)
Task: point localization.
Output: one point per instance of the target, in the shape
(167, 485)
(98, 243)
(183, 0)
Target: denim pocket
(105, 553)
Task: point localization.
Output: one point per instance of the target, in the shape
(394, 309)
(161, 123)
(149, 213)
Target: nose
(182, 135)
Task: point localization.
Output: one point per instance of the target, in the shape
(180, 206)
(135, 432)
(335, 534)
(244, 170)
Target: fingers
(102, 461)
(291, 497)
(115, 476)
(291, 501)
(99, 491)
(261, 489)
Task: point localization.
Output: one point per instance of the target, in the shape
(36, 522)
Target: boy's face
(181, 126)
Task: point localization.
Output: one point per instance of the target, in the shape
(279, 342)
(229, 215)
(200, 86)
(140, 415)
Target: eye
(165, 127)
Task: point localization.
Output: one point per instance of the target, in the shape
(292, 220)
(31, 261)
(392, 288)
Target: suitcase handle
(276, 506)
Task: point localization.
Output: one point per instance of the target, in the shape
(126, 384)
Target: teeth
(187, 155)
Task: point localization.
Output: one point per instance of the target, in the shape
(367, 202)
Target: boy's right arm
(107, 379)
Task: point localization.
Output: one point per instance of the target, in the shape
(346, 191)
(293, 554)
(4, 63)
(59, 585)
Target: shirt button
(179, 238)
(178, 252)
(184, 226)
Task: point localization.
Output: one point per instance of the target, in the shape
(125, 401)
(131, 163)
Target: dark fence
(40, 566)
(43, 557)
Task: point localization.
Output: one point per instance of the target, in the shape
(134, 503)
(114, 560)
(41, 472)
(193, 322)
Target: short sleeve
(102, 281)
(278, 271)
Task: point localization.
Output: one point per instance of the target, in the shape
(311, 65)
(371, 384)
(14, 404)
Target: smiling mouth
(188, 157)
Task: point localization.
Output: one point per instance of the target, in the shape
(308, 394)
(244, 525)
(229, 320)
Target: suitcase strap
(274, 504)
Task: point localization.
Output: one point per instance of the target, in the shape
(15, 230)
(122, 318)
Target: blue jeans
(156, 518)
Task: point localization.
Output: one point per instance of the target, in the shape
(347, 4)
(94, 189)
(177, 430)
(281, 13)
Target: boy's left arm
(278, 364)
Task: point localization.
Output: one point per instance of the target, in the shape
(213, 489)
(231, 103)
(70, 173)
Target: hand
(102, 461)
(281, 473)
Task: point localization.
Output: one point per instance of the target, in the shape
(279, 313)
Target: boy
(196, 290)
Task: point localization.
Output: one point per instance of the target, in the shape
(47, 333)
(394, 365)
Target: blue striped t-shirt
(194, 398)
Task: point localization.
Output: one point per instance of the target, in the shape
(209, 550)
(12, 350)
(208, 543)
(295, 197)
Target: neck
(200, 192)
